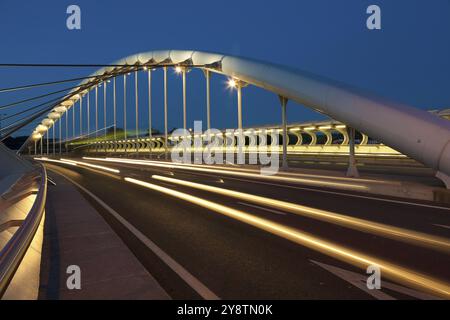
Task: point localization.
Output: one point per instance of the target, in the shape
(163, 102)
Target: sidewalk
(76, 234)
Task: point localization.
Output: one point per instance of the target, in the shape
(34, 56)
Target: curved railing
(14, 250)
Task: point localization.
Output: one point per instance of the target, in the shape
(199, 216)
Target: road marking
(359, 281)
(441, 225)
(192, 281)
(401, 274)
(262, 208)
(344, 194)
(377, 228)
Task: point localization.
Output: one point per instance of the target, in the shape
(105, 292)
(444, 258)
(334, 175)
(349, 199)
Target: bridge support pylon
(352, 170)
(284, 102)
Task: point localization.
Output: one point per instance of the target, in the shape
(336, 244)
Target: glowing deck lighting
(389, 270)
(178, 69)
(91, 165)
(335, 218)
(240, 173)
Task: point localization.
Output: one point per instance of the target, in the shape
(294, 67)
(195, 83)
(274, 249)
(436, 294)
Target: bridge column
(352, 170)
(59, 123)
(114, 114)
(66, 116)
(125, 111)
(136, 99)
(104, 111)
(88, 106)
(284, 102)
(42, 151)
(184, 71)
(53, 137)
(73, 121)
(48, 133)
(444, 178)
(35, 146)
(81, 115)
(165, 114)
(208, 101)
(150, 111)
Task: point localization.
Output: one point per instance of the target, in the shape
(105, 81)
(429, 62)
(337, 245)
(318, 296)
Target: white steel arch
(416, 133)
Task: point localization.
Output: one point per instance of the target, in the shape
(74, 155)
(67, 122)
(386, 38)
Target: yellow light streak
(239, 172)
(54, 160)
(91, 165)
(401, 234)
(394, 272)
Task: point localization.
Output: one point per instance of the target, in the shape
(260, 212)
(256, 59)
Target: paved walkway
(76, 234)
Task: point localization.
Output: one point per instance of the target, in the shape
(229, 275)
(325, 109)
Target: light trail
(401, 234)
(257, 171)
(78, 163)
(394, 272)
(91, 165)
(56, 161)
(350, 186)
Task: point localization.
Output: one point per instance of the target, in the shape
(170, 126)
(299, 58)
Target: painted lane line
(170, 166)
(441, 225)
(262, 208)
(392, 271)
(191, 280)
(344, 194)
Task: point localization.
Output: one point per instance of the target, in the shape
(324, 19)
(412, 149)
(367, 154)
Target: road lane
(344, 235)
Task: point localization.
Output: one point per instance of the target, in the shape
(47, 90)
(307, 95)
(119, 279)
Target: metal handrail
(14, 251)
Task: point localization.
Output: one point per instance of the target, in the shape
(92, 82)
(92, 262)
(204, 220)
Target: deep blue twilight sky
(408, 60)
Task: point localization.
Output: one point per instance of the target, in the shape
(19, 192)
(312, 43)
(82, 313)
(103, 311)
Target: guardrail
(13, 252)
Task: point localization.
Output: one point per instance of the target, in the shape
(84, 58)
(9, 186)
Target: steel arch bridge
(402, 130)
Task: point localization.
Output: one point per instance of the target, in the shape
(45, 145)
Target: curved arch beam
(414, 132)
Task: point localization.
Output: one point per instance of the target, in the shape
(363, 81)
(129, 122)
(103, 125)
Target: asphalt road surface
(234, 258)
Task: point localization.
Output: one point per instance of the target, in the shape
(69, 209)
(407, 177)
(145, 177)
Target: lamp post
(238, 85)
(165, 114)
(150, 110)
(284, 102)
